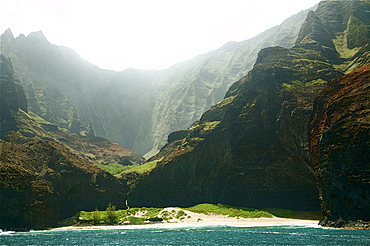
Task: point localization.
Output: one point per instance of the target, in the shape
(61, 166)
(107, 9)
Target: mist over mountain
(136, 109)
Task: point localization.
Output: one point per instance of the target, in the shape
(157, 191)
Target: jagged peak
(313, 30)
(8, 33)
(39, 35)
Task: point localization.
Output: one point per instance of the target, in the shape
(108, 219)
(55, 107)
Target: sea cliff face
(249, 149)
(341, 148)
(252, 148)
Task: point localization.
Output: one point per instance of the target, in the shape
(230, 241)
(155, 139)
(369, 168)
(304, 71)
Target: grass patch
(90, 155)
(37, 118)
(210, 125)
(287, 213)
(135, 220)
(297, 84)
(140, 169)
(207, 208)
(113, 168)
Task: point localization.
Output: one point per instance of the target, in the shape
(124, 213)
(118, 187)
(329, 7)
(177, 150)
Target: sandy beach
(199, 220)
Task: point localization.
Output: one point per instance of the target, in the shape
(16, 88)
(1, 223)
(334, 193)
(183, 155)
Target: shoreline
(212, 221)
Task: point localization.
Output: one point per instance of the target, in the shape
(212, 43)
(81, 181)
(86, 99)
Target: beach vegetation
(135, 220)
(110, 212)
(230, 211)
(156, 215)
(96, 216)
(181, 215)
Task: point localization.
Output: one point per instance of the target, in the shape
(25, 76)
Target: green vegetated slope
(96, 150)
(27, 125)
(74, 94)
(186, 90)
(252, 148)
(136, 109)
(12, 97)
(45, 172)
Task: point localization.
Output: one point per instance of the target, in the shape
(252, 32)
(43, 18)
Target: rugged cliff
(341, 149)
(186, 90)
(12, 97)
(42, 182)
(252, 149)
(45, 172)
(246, 150)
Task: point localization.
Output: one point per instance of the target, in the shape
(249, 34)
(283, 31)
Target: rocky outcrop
(341, 148)
(42, 182)
(107, 151)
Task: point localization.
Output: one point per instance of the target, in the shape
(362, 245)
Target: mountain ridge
(142, 122)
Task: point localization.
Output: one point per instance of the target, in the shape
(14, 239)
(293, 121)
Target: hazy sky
(145, 34)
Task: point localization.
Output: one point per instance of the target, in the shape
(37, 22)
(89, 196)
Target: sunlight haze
(144, 34)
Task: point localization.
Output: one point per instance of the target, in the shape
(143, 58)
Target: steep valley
(277, 121)
(135, 109)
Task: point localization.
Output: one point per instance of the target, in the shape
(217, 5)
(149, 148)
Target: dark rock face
(247, 150)
(42, 182)
(341, 148)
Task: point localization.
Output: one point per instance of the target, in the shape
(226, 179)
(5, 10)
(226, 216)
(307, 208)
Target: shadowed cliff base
(341, 148)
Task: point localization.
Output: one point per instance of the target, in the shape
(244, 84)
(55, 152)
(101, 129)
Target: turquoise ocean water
(210, 235)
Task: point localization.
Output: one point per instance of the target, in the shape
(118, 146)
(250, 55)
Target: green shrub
(155, 219)
(96, 216)
(166, 215)
(111, 213)
(180, 215)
